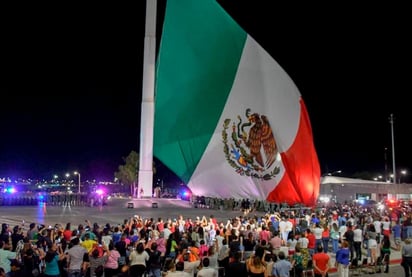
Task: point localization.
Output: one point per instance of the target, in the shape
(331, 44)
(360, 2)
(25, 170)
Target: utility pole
(391, 118)
(386, 165)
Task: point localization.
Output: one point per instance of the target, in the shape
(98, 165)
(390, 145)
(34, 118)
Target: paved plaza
(114, 213)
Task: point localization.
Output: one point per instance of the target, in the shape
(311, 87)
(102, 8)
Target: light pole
(391, 118)
(78, 173)
(333, 173)
(403, 172)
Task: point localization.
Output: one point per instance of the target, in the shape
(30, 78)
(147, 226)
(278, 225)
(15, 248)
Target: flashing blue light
(10, 190)
(185, 195)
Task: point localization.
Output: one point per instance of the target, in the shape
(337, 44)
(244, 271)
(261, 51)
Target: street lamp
(78, 173)
(403, 172)
(378, 178)
(333, 173)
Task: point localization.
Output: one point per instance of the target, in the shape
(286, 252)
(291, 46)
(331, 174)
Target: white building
(340, 189)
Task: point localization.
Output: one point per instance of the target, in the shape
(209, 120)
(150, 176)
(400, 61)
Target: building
(340, 189)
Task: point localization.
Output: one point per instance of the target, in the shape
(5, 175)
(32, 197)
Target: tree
(127, 173)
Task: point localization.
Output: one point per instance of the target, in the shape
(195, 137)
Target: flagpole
(145, 180)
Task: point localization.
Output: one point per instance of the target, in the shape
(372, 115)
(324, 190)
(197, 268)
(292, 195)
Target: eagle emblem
(252, 149)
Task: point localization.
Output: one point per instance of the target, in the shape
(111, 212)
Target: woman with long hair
(256, 265)
(171, 247)
(334, 235)
(53, 255)
(372, 243)
(325, 238)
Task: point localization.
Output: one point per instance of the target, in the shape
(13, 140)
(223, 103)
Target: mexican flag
(229, 121)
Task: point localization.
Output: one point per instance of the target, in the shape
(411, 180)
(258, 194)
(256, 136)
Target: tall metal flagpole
(393, 150)
(145, 186)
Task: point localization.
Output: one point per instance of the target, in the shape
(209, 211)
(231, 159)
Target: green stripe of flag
(200, 50)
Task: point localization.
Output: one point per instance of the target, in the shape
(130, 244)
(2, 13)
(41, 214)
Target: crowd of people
(284, 243)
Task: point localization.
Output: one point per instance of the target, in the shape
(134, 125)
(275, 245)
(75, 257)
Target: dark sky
(71, 82)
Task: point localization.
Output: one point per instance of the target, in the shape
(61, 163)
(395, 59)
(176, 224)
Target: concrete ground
(114, 213)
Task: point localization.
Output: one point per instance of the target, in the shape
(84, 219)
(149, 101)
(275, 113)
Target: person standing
(407, 256)
(385, 252)
(54, 254)
(372, 244)
(349, 237)
(275, 242)
(342, 259)
(6, 256)
(297, 261)
(236, 268)
(137, 259)
(155, 264)
(111, 267)
(75, 258)
(256, 265)
(311, 241)
(334, 235)
(282, 266)
(207, 271)
(325, 238)
(321, 262)
(396, 230)
(317, 232)
(357, 241)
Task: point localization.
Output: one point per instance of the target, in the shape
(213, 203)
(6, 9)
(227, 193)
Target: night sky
(71, 82)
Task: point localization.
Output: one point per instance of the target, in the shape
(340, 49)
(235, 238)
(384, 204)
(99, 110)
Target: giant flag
(229, 121)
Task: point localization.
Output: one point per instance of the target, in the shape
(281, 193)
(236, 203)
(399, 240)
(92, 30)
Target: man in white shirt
(75, 258)
(219, 239)
(177, 270)
(378, 228)
(282, 230)
(207, 271)
(166, 230)
(212, 235)
(317, 232)
(357, 242)
(190, 267)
